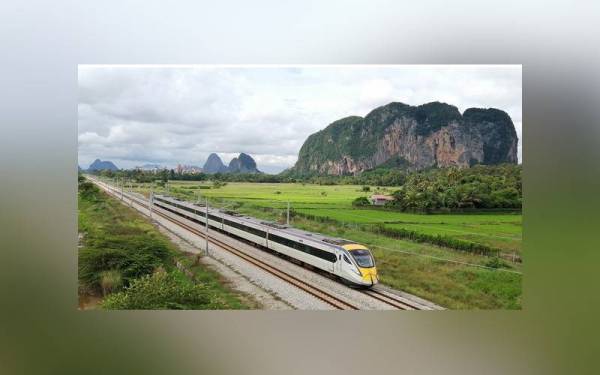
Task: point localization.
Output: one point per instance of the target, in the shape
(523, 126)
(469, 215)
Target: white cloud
(135, 115)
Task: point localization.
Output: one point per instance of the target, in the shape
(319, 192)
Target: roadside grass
(120, 248)
(214, 281)
(172, 290)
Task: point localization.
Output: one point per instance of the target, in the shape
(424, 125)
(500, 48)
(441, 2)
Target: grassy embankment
(450, 284)
(129, 264)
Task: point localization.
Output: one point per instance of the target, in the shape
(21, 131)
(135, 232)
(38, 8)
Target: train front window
(363, 258)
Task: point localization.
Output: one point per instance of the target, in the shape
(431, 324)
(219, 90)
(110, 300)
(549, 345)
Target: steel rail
(391, 300)
(302, 285)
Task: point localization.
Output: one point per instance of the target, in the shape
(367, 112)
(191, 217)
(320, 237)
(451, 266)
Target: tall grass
(110, 281)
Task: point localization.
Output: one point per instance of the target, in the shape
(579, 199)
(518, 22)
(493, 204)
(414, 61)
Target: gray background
(42, 43)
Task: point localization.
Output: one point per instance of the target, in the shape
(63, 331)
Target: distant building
(150, 168)
(192, 169)
(380, 200)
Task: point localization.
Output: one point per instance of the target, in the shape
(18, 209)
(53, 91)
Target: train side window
(346, 259)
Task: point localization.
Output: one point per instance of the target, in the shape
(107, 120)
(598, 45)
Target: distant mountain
(214, 164)
(99, 165)
(410, 137)
(242, 164)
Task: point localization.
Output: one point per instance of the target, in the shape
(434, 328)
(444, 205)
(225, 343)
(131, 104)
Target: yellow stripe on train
(354, 246)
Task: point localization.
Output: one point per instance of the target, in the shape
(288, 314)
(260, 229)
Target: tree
(361, 201)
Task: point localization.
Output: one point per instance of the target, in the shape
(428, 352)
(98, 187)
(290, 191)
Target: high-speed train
(345, 259)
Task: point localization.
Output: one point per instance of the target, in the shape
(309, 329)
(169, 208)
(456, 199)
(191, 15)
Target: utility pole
(150, 200)
(122, 184)
(267, 236)
(130, 194)
(288, 213)
(207, 227)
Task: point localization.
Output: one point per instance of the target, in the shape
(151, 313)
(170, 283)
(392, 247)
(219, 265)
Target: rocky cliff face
(99, 165)
(214, 164)
(242, 164)
(430, 135)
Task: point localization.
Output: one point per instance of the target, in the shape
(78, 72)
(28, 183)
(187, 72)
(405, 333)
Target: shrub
(438, 240)
(366, 189)
(110, 281)
(162, 290)
(115, 242)
(496, 263)
(361, 201)
(87, 189)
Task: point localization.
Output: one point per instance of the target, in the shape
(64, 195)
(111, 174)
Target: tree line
(478, 187)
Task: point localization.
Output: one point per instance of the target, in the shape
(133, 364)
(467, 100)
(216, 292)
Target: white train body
(346, 259)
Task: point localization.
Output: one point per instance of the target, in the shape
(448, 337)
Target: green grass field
(441, 275)
(500, 230)
(444, 277)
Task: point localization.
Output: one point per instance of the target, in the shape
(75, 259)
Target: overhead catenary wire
(415, 253)
(228, 203)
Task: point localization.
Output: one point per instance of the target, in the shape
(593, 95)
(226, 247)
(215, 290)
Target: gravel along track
(298, 286)
(235, 280)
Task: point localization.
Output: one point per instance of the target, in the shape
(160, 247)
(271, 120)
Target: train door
(338, 263)
(332, 266)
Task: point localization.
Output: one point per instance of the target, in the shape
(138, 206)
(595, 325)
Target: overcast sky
(169, 115)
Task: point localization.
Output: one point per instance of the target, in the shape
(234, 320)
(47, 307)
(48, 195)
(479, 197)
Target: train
(347, 260)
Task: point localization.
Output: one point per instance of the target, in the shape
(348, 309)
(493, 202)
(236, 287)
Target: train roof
(311, 236)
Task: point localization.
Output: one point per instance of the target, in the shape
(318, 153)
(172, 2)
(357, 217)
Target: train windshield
(363, 258)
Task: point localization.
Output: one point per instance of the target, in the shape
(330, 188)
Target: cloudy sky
(135, 115)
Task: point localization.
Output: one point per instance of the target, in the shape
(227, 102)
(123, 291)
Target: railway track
(300, 284)
(388, 298)
(391, 299)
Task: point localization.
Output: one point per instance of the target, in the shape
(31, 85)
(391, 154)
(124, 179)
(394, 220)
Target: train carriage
(348, 260)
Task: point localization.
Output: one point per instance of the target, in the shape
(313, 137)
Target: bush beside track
(127, 261)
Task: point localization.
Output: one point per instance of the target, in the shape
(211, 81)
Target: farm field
(444, 277)
(439, 274)
(499, 230)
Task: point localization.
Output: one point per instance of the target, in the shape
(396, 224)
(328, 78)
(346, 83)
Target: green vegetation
(123, 257)
(431, 272)
(468, 188)
(361, 202)
(347, 205)
(439, 211)
(110, 281)
(167, 290)
(403, 261)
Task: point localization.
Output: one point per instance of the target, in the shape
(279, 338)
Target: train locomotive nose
(369, 276)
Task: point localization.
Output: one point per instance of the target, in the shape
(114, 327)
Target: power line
(446, 260)
(377, 246)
